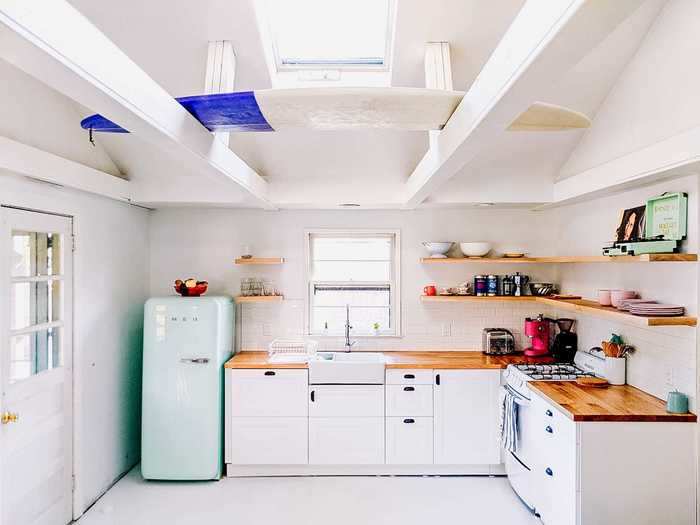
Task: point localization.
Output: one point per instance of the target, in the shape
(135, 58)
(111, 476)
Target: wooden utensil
(592, 382)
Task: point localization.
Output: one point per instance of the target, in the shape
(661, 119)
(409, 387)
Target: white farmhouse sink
(347, 368)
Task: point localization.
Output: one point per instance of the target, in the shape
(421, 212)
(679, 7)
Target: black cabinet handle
(548, 471)
(270, 373)
(549, 429)
(549, 413)
(409, 420)
(409, 376)
(408, 389)
(437, 379)
(313, 396)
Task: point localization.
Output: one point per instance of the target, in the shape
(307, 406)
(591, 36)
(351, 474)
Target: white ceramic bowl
(437, 249)
(475, 249)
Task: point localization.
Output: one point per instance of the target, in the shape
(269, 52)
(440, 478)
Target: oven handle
(519, 398)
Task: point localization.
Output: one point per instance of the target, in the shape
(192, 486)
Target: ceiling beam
(38, 164)
(55, 43)
(545, 40)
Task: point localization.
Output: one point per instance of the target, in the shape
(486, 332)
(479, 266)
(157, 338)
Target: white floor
(311, 501)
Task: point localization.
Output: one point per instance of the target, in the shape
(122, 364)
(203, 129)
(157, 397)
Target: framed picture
(632, 224)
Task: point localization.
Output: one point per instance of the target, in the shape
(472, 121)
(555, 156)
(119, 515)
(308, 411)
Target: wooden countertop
(614, 403)
(461, 360)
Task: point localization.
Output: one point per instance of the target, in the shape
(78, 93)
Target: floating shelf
(259, 299)
(260, 260)
(568, 259)
(471, 298)
(583, 306)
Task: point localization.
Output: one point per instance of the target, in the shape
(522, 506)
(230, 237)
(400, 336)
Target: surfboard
(411, 109)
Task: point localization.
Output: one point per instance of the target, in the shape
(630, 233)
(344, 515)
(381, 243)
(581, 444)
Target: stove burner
(553, 372)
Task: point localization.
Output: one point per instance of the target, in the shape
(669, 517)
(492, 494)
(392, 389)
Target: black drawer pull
(270, 373)
(409, 376)
(408, 389)
(549, 429)
(409, 420)
(548, 471)
(313, 396)
(437, 379)
(549, 413)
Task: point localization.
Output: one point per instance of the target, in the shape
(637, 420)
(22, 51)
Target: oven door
(518, 465)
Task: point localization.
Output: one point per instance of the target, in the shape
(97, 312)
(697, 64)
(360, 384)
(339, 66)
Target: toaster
(497, 341)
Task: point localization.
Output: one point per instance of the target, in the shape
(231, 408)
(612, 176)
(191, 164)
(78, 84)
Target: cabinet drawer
(409, 441)
(346, 440)
(268, 441)
(262, 393)
(346, 401)
(409, 377)
(409, 400)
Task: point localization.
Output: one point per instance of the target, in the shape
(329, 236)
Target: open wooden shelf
(472, 298)
(568, 259)
(583, 306)
(259, 299)
(260, 260)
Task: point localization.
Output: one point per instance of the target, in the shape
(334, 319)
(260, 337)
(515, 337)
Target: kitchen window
(355, 270)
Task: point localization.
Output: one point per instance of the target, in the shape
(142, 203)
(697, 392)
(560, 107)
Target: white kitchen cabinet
(465, 408)
(400, 376)
(269, 441)
(600, 472)
(409, 400)
(346, 424)
(409, 441)
(259, 393)
(346, 440)
(266, 417)
(346, 401)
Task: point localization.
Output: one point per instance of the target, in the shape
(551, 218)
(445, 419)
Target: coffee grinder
(565, 342)
(538, 331)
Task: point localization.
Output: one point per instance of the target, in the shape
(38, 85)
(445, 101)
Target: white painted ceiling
(168, 39)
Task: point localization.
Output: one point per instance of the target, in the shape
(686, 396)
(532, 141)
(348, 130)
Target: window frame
(328, 65)
(394, 282)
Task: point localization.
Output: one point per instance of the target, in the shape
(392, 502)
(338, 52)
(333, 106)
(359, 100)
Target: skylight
(340, 34)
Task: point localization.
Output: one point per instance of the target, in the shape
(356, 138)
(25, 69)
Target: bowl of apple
(191, 287)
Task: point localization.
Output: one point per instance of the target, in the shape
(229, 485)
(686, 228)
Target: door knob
(9, 417)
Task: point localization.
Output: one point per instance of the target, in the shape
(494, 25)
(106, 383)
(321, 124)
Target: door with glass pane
(36, 445)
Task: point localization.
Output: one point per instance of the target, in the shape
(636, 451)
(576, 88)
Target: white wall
(654, 98)
(665, 357)
(204, 242)
(110, 284)
(110, 287)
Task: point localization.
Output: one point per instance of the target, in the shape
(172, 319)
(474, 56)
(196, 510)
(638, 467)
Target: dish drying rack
(291, 350)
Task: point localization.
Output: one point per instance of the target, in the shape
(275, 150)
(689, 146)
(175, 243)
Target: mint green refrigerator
(187, 340)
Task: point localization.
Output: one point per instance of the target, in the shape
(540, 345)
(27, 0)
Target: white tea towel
(509, 421)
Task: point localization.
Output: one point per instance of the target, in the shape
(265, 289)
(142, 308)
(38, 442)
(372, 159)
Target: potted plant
(375, 328)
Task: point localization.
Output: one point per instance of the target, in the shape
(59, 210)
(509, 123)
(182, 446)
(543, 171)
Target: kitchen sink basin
(347, 368)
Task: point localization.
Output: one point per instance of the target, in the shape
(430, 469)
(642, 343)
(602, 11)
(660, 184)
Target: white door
(466, 417)
(36, 445)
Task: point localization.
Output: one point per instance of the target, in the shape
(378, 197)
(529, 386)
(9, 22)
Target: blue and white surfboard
(411, 109)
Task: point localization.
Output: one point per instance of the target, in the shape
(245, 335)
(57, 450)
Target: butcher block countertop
(613, 403)
(460, 360)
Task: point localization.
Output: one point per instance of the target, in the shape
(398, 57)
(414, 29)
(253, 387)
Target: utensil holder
(616, 370)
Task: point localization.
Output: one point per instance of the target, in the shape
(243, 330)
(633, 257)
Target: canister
(491, 285)
(480, 285)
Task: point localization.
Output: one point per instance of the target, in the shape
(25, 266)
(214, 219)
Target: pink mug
(604, 298)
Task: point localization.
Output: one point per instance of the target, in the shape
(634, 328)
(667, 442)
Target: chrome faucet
(348, 343)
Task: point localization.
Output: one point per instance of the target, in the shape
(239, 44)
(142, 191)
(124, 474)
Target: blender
(538, 331)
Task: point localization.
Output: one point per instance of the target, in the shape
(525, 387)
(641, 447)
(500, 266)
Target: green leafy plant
(375, 326)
